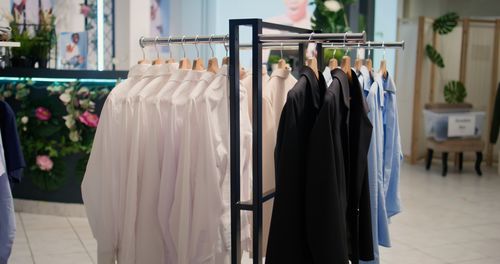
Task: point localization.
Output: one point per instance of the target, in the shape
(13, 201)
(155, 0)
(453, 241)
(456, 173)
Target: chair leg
(460, 161)
(428, 163)
(445, 164)
(479, 159)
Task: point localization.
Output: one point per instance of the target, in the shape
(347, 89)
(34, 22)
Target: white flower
(74, 136)
(24, 120)
(65, 98)
(333, 5)
(69, 121)
(25, 129)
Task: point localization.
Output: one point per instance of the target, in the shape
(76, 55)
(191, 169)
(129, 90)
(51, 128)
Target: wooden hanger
(158, 61)
(368, 61)
(225, 60)
(383, 64)
(346, 66)
(358, 62)
(144, 60)
(213, 63)
(198, 62)
(313, 64)
(170, 60)
(369, 64)
(281, 62)
(333, 63)
(184, 63)
(383, 68)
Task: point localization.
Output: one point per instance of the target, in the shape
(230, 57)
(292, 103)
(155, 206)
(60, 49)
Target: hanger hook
(357, 51)
(281, 51)
(141, 43)
(210, 44)
(369, 49)
(196, 45)
(345, 42)
(224, 42)
(182, 44)
(310, 36)
(383, 46)
(156, 47)
(169, 46)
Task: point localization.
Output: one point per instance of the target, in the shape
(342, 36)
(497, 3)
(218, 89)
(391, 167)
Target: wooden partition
(471, 54)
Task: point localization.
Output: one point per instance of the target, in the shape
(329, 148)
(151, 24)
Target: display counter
(57, 112)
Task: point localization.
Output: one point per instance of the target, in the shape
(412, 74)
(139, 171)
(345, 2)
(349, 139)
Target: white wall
(386, 26)
(132, 22)
(465, 8)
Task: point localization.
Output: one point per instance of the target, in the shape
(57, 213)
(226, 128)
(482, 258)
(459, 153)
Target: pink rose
(89, 119)
(44, 162)
(42, 113)
(85, 10)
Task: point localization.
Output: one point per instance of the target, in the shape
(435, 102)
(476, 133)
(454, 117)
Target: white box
(442, 126)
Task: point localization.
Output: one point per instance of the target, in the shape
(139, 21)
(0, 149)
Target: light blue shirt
(374, 95)
(393, 155)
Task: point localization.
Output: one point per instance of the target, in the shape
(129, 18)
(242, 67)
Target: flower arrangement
(54, 127)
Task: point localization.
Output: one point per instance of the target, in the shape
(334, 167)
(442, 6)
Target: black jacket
(356, 142)
(288, 240)
(321, 209)
(14, 159)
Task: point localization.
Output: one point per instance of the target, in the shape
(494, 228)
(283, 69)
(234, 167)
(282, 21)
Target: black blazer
(356, 142)
(287, 241)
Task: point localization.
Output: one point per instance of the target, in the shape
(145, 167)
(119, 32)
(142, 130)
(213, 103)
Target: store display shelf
(53, 75)
(10, 44)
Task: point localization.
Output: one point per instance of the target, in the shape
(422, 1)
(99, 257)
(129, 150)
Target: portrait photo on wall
(72, 50)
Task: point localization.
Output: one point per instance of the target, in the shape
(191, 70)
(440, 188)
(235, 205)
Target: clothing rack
(297, 37)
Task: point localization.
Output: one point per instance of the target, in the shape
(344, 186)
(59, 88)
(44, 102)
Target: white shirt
(144, 164)
(246, 81)
(280, 83)
(101, 185)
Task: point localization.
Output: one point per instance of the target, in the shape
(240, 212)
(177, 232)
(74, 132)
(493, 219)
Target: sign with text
(461, 125)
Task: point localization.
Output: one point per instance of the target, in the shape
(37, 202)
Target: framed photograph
(72, 50)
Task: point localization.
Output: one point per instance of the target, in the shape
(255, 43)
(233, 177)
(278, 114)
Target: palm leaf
(445, 23)
(434, 56)
(454, 92)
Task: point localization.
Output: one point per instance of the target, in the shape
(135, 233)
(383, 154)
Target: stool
(458, 146)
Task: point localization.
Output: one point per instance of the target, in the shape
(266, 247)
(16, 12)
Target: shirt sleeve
(97, 192)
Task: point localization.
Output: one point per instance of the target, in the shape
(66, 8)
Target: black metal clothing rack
(258, 197)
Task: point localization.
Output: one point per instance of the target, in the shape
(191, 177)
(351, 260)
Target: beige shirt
(273, 101)
(246, 81)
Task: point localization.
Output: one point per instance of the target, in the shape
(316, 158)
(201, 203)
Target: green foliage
(445, 23)
(328, 21)
(434, 56)
(454, 92)
(60, 136)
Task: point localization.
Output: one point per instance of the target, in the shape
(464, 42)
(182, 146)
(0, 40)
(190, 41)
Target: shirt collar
(281, 73)
(138, 70)
(380, 88)
(366, 78)
(318, 87)
(179, 75)
(388, 84)
(344, 83)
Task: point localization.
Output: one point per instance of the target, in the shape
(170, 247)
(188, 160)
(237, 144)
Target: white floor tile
(453, 219)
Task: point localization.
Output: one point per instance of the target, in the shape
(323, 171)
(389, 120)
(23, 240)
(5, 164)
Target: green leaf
(445, 23)
(454, 92)
(434, 56)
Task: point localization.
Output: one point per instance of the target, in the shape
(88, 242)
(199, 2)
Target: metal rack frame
(298, 37)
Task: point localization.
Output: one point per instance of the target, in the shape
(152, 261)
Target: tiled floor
(445, 220)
